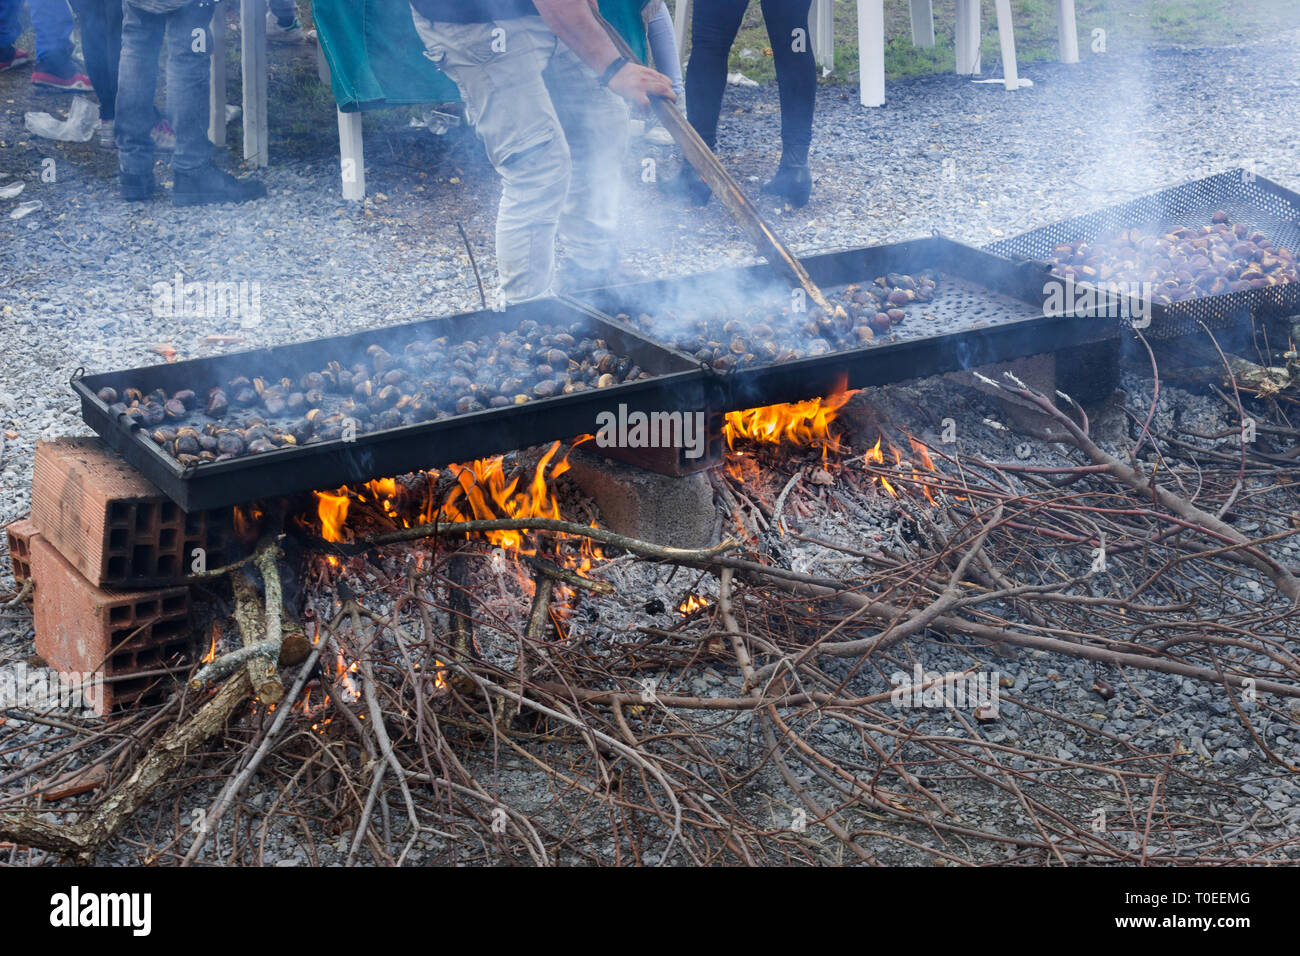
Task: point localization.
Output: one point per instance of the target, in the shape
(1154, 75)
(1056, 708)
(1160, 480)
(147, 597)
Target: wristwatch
(612, 70)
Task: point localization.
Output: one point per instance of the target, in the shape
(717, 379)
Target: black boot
(211, 185)
(136, 187)
(690, 186)
(792, 182)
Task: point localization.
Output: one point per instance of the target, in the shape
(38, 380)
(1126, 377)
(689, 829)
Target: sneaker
(106, 139)
(164, 139)
(275, 33)
(136, 187)
(658, 136)
(208, 184)
(12, 57)
(76, 83)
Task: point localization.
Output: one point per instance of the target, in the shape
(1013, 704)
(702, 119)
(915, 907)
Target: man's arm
(575, 24)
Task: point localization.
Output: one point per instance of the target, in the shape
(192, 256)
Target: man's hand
(577, 24)
(637, 84)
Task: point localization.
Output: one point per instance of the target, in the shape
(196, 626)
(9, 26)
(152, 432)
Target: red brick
(19, 535)
(84, 628)
(110, 522)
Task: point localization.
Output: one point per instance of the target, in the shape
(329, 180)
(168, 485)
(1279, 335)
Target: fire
(341, 672)
(799, 423)
(211, 655)
(483, 493)
(876, 456)
(692, 604)
(247, 522)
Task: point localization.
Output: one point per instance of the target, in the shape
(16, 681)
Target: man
(196, 180)
(539, 79)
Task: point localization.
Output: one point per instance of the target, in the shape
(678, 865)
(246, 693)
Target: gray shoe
(106, 140)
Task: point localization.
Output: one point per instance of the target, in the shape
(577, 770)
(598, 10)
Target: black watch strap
(611, 71)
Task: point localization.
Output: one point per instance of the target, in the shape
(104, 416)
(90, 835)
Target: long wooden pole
(713, 173)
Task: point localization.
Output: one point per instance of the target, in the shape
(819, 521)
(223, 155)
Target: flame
(876, 456)
(247, 522)
(798, 423)
(692, 604)
(211, 655)
(482, 493)
(333, 512)
(341, 672)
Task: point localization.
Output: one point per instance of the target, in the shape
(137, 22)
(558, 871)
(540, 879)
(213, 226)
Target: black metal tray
(991, 308)
(677, 385)
(1245, 196)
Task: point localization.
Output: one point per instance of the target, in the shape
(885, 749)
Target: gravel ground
(970, 161)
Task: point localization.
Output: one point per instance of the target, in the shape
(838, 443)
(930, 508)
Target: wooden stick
(711, 170)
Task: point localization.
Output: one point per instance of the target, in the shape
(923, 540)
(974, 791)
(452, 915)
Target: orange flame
(211, 655)
(487, 495)
(798, 423)
(875, 456)
(247, 522)
(692, 603)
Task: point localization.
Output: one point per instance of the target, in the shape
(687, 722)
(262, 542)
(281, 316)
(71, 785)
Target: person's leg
(11, 26)
(796, 75)
(53, 24)
(284, 11)
(142, 37)
(282, 23)
(96, 47)
(714, 25)
(595, 124)
(187, 86)
(663, 48)
(509, 106)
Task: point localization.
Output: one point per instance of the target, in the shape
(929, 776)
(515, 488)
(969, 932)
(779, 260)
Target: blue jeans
(187, 86)
(101, 46)
(552, 133)
(51, 21)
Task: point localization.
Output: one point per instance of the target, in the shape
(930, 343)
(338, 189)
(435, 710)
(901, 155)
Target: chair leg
(252, 52)
(871, 52)
(681, 17)
(217, 77)
(968, 37)
(1067, 31)
(1007, 38)
(922, 23)
(352, 156)
(821, 24)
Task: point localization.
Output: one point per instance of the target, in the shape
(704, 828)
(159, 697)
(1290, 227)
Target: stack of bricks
(105, 551)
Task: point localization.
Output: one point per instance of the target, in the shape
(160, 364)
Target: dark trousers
(101, 45)
(714, 25)
(187, 86)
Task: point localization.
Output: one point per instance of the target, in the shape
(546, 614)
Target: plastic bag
(79, 127)
(25, 209)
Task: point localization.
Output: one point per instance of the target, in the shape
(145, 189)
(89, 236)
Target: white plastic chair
(871, 38)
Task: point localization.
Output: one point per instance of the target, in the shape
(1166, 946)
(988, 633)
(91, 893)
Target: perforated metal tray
(1245, 196)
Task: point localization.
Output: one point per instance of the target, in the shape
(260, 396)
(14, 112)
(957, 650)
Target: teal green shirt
(625, 17)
